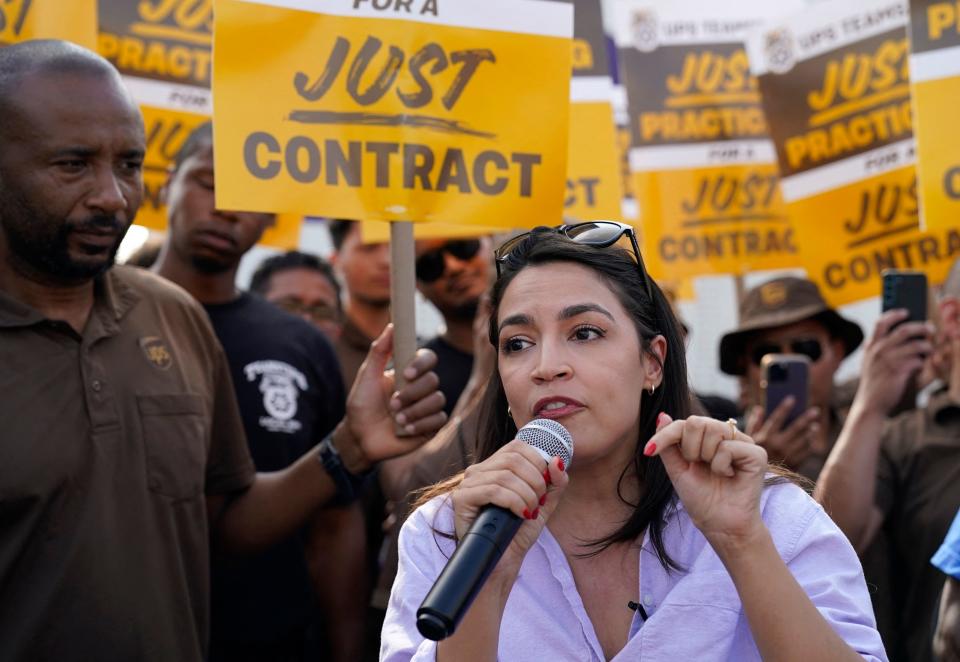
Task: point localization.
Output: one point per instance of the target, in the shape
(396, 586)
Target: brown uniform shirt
(918, 490)
(108, 443)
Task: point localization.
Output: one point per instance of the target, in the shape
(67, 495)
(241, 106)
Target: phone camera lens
(778, 373)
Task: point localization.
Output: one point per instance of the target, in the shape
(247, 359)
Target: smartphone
(785, 375)
(905, 289)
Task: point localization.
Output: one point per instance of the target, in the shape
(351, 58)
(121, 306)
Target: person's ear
(949, 316)
(654, 359)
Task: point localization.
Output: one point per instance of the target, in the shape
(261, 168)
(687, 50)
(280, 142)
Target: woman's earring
(653, 387)
(509, 413)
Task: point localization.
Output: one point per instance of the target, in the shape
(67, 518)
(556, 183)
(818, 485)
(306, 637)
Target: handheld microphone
(484, 544)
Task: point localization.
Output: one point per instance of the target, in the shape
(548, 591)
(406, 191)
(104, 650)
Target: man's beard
(40, 241)
(465, 311)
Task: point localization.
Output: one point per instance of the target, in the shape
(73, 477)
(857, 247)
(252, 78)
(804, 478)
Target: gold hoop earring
(509, 413)
(653, 387)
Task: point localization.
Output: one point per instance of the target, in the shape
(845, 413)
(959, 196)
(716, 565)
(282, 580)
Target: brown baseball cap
(777, 303)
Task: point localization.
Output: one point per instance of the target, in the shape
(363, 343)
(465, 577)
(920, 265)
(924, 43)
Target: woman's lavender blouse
(692, 615)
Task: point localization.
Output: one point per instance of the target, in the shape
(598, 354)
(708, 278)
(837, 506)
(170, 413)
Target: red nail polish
(650, 449)
(546, 476)
(560, 465)
(535, 514)
(543, 500)
(526, 514)
(660, 419)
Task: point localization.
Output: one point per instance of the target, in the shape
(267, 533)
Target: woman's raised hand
(717, 472)
(517, 478)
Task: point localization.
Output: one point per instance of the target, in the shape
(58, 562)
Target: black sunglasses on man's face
(431, 265)
(809, 347)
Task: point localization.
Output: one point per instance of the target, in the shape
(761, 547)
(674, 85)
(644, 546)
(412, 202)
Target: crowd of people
(189, 471)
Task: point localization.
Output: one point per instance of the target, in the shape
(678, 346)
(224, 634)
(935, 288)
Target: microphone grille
(548, 437)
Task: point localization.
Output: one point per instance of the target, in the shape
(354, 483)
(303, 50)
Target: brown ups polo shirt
(108, 444)
(918, 490)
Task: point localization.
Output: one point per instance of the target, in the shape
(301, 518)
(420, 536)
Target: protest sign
(935, 79)
(704, 170)
(417, 110)
(74, 21)
(594, 189)
(163, 50)
(835, 86)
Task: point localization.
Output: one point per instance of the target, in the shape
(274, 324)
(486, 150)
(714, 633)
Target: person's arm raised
(847, 485)
(718, 474)
(278, 503)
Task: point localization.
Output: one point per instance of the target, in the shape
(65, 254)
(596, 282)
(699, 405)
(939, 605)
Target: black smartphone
(905, 289)
(785, 375)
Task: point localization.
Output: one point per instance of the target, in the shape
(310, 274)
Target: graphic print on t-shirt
(280, 384)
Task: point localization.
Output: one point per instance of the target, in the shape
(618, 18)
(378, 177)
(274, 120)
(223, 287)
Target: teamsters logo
(779, 51)
(280, 384)
(644, 26)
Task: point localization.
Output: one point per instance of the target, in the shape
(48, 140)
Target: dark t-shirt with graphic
(290, 392)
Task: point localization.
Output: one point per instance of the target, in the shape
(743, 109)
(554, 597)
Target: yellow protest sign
(935, 78)
(163, 50)
(416, 110)
(74, 21)
(594, 189)
(704, 169)
(373, 232)
(835, 86)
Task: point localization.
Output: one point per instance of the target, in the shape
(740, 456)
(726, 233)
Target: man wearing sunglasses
(453, 275)
(789, 316)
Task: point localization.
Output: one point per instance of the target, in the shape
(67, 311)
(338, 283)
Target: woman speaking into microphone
(667, 538)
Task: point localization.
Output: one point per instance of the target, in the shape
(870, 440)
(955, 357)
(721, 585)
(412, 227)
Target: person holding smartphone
(789, 316)
(900, 478)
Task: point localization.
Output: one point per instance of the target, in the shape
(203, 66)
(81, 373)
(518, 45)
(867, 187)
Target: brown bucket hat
(780, 302)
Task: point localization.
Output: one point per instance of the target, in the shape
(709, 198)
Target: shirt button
(96, 385)
(648, 600)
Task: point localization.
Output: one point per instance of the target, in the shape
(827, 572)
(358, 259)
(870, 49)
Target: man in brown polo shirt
(900, 479)
(789, 316)
(122, 453)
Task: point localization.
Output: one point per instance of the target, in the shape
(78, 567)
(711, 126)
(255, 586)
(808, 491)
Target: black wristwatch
(347, 484)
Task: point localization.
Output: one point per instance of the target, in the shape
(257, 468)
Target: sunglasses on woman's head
(809, 347)
(431, 265)
(599, 234)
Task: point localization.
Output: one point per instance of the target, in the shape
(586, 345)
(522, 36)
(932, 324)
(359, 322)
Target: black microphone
(484, 544)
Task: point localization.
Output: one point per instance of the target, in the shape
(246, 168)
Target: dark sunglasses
(809, 347)
(431, 265)
(599, 234)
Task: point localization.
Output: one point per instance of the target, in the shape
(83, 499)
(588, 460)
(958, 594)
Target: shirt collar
(14, 313)
(112, 298)
(943, 408)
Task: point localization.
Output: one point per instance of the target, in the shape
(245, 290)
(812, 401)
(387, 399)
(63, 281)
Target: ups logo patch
(773, 295)
(156, 352)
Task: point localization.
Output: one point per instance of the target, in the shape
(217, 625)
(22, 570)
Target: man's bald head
(29, 59)
(71, 161)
